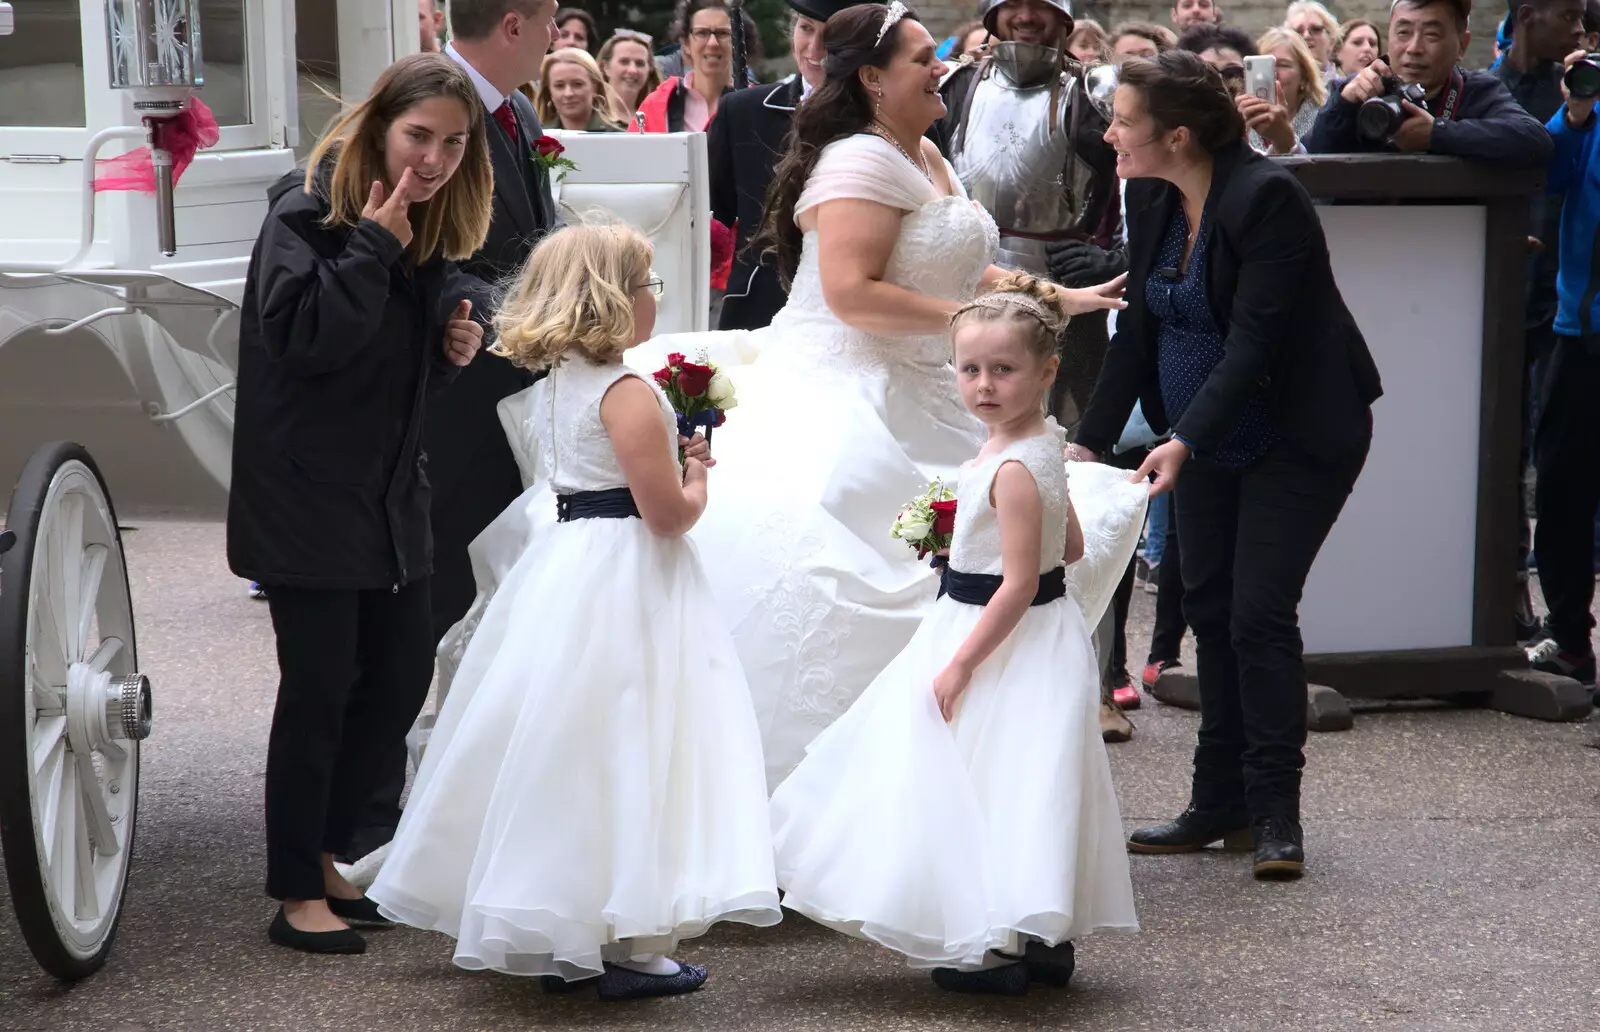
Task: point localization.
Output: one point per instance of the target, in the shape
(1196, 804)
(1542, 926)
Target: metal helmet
(988, 12)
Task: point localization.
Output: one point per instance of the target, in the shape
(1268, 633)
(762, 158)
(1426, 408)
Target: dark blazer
(745, 141)
(474, 474)
(1490, 127)
(1271, 292)
(340, 338)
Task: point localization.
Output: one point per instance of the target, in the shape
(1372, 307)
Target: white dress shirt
(492, 98)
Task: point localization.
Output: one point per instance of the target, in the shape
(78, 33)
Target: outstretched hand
(1105, 296)
(462, 336)
(1165, 461)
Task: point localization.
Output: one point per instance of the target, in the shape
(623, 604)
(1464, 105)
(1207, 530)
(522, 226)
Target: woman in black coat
(350, 316)
(1235, 336)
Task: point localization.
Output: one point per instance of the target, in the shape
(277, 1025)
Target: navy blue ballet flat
(1009, 980)
(619, 983)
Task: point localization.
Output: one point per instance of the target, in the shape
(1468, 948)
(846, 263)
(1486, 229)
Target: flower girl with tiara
(962, 812)
(593, 791)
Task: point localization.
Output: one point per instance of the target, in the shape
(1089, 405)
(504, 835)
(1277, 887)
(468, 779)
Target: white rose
(720, 392)
(915, 528)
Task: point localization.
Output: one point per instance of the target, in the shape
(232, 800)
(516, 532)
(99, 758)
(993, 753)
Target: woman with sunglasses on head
(1237, 338)
(630, 71)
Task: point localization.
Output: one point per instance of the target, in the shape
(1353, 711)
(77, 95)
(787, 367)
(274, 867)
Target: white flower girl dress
(944, 841)
(595, 772)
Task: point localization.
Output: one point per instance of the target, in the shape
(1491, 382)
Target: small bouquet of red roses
(549, 153)
(928, 522)
(700, 393)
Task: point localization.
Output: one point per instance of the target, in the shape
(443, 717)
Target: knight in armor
(1025, 135)
(1025, 131)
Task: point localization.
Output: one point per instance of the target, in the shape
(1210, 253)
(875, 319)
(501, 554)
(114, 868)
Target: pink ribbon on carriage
(184, 134)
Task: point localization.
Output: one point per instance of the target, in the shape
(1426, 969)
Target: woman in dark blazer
(1237, 338)
(352, 311)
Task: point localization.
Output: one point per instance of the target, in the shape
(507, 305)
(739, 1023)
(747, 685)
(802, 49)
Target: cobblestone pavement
(1452, 884)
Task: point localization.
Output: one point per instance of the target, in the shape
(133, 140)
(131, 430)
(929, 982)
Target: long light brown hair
(453, 222)
(544, 104)
(652, 72)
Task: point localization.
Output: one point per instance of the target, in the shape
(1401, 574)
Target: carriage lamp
(155, 54)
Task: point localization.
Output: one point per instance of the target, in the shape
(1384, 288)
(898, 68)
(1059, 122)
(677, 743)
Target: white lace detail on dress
(976, 547)
(562, 426)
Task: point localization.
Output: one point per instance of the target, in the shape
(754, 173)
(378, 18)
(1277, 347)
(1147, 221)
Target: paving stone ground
(1454, 883)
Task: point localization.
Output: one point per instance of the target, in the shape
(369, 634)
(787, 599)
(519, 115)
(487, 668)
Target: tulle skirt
(943, 841)
(595, 773)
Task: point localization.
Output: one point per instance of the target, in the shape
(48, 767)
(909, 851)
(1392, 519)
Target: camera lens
(1378, 118)
(1583, 78)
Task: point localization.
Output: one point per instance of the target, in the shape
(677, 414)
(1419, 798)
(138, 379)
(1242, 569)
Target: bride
(847, 405)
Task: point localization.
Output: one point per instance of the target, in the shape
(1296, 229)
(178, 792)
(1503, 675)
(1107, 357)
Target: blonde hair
(453, 222)
(652, 73)
(1023, 301)
(545, 105)
(575, 293)
(1311, 83)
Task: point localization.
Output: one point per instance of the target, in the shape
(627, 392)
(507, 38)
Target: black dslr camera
(1583, 78)
(1378, 117)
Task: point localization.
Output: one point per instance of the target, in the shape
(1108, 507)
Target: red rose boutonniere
(549, 153)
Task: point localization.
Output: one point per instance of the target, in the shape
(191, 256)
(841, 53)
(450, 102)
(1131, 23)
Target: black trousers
(1567, 451)
(1250, 536)
(1166, 641)
(354, 668)
(1540, 344)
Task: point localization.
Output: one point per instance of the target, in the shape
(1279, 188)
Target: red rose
(548, 147)
(664, 377)
(944, 516)
(722, 417)
(675, 359)
(694, 379)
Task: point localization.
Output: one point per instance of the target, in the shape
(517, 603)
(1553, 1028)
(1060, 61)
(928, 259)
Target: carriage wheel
(73, 709)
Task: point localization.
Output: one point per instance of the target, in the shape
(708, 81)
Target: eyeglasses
(707, 35)
(1232, 71)
(1314, 29)
(635, 36)
(655, 285)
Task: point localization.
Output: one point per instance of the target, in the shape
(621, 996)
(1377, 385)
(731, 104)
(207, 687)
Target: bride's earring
(877, 101)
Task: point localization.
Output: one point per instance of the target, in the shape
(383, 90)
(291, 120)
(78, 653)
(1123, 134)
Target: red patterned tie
(507, 120)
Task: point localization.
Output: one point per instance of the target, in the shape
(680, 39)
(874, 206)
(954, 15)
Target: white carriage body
(132, 353)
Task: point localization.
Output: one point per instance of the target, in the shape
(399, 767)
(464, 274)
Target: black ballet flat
(1009, 980)
(346, 941)
(361, 911)
(1050, 965)
(620, 983)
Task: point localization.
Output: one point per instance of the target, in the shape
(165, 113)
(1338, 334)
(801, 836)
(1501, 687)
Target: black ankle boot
(1192, 830)
(1280, 847)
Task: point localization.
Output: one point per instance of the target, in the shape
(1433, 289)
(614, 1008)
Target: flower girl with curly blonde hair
(593, 791)
(961, 812)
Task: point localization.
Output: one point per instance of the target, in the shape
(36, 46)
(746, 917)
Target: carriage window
(41, 65)
(225, 50)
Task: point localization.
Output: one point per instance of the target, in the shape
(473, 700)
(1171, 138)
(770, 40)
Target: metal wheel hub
(103, 710)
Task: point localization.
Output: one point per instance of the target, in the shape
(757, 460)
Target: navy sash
(614, 504)
(977, 589)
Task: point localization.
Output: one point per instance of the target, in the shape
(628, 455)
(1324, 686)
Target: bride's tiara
(897, 10)
(1001, 301)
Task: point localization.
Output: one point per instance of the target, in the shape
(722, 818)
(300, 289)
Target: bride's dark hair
(840, 107)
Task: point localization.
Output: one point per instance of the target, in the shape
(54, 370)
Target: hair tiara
(1001, 301)
(897, 10)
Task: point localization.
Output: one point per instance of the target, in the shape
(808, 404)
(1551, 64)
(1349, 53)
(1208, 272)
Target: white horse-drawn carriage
(119, 338)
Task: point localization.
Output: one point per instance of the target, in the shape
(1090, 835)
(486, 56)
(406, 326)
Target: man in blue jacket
(1466, 114)
(1567, 443)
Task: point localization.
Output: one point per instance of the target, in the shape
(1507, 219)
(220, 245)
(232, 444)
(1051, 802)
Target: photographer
(1567, 444)
(1419, 99)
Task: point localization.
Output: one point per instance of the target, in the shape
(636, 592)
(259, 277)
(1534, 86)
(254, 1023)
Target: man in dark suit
(500, 44)
(745, 142)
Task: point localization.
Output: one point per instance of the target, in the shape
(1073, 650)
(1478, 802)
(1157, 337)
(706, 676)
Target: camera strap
(1450, 100)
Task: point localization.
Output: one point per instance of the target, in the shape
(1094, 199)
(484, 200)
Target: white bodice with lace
(555, 428)
(945, 244)
(975, 547)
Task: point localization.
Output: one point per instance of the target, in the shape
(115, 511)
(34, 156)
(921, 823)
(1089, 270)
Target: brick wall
(1253, 16)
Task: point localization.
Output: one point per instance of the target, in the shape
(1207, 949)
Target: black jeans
(1249, 538)
(1567, 453)
(354, 668)
(1166, 641)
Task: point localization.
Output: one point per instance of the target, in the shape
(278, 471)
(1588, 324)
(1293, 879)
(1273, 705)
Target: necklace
(921, 166)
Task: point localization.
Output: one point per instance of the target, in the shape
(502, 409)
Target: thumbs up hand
(462, 336)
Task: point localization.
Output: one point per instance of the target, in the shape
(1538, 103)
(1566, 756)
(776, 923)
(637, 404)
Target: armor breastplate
(1015, 154)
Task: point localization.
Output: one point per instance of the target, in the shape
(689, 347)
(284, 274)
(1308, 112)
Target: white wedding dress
(943, 841)
(834, 431)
